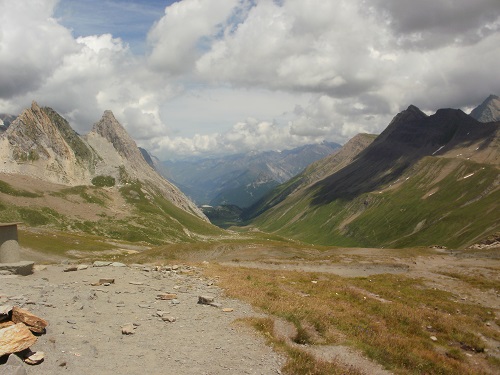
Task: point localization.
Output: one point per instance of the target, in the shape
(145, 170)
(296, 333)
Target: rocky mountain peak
(487, 111)
(109, 128)
(412, 113)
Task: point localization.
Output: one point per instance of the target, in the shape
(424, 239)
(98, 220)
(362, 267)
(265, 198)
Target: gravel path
(84, 335)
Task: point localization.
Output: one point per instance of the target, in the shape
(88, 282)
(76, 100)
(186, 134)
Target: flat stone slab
(23, 268)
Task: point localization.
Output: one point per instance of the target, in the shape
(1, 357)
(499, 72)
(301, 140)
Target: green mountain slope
(98, 184)
(425, 180)
(313, 173)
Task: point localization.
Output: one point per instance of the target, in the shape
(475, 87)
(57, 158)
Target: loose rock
(98, 263)
(34, 358)
(34, 323)
(128, 329)
(15, 338)
(169, 319)
(205, 300)
(166, 296)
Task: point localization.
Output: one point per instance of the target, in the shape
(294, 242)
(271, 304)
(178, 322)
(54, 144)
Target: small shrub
(103, 181)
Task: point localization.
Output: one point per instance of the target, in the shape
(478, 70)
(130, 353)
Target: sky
(210, 77)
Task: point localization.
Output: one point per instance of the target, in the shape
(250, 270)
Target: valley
(381, 257)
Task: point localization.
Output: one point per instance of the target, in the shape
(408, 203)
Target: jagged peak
(488, 110)
(110, 128)
(35, 106)
(109, 124)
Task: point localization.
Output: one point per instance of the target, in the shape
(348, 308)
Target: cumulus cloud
(297, 45)
(26, 59)
(176, 38)
(249, 135)
(431, 24)
(308, 70)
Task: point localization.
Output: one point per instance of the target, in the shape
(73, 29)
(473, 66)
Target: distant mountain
(105, 168)
(425, 180)
(244, 178)
(5, 121)
(313, 173)
(487, 111)
(147, 157)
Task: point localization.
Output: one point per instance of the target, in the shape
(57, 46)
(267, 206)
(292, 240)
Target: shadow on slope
(410, 136)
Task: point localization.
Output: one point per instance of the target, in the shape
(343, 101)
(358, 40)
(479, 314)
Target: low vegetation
(429, 207)
(6, 188)
(390, 318)
(104, 181)
(87, 193)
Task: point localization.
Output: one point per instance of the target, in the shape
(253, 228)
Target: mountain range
(240, 179)
(424, 180)
(98, 182)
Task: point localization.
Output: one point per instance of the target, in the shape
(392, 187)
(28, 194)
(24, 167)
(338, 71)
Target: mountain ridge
(42, 144)
(241, 179)
(487, 111)
(424, 180)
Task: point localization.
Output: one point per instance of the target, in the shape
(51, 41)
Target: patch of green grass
(103, 181)
(9, 190)
(477, 281)
(87, 193)
(452, 211)
(58, 243)
(299, 362)
(158, 217)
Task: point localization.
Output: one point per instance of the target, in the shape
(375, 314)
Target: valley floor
(287, 288)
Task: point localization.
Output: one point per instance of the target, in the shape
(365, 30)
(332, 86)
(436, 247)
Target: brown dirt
(204, 340)
(72, 205)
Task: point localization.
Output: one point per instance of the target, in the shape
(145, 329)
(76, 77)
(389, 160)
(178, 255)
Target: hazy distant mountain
(313, 173)
(487, 111)
(5, 121)
(244, 178)
(425, 180)
(123, 195)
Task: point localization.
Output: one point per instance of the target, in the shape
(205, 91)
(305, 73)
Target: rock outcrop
(41, 144)
(119, 153)
(487, 111)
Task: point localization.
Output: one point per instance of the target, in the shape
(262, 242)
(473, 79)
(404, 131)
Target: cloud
(249, 135)
(297, 45)
(176, 38)
(429, 24)
(30, 50)
(307, 70)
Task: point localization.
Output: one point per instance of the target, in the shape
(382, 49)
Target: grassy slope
(313, 173)
(152, 218)
(459, 211)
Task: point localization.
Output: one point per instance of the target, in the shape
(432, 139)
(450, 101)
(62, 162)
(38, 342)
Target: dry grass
(483, 282)
(299, 361)
(390, 318)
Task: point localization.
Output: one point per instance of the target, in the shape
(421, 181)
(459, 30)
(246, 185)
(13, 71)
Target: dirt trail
(84, 335)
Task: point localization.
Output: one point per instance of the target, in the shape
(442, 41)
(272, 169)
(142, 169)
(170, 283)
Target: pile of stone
(18, 330)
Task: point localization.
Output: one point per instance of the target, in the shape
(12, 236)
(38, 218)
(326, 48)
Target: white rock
(35, 358)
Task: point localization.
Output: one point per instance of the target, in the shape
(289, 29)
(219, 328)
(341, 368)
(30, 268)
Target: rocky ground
(176, 335)
(147, 319)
